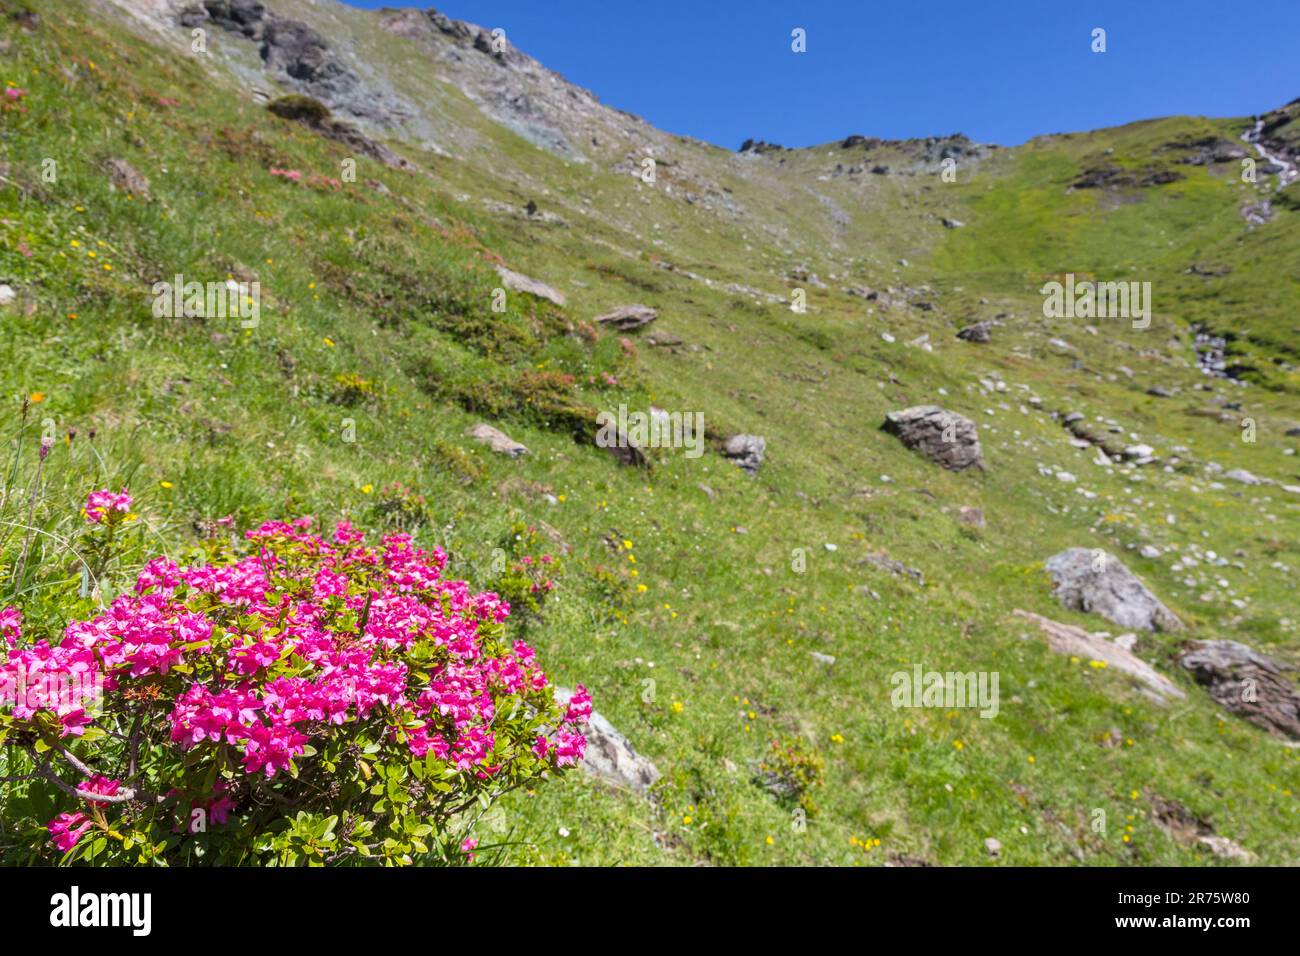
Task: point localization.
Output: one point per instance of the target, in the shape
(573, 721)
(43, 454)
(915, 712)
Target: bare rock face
(1097, 582)
(747, 451)
(497, 440)
(628, 318)
(946, 438)
(301, 59)
(315, 115)
(610, 755)
(245, 17)
(1076, 642)
(293, 50)
(1247, 683)
(518, 282)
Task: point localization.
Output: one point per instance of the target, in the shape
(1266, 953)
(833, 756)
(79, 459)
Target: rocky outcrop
(1076, 642)
(1115, 177)
(944, 437)
(245, 17)
(609, 754)
(497, 440)
(1247, 683)
(1096, 582)
(518, 282)
(628, 318)
(625, 451)
(1209, 150)
(298, 56)
(315, 115)
(747, 451)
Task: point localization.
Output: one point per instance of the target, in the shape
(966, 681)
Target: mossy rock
(301, 109)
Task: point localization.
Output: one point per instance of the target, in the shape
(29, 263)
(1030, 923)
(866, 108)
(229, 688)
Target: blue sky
(723, 70)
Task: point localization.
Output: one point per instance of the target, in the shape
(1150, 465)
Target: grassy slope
(396, 289)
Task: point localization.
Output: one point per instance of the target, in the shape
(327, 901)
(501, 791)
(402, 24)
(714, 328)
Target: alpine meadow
(410, 460)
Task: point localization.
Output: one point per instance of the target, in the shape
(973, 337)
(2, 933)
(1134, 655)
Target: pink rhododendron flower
(67, 828)
(11, 626)
(579, 706)
(570, 747)
(100, 784)
(105, 504)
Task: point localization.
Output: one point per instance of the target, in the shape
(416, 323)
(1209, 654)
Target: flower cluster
(306, 657)
(105, 506)
(12, 101)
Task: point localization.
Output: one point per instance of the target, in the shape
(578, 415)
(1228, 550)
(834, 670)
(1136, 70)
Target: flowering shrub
(308, 700)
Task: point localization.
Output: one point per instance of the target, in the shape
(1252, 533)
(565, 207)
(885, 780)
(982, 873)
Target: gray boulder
(628, 318)
(518, 282)
(1076, 642)
(1247, 683)
(609, 754)
(1243, 476)
(946, 438)
(979, 332)
(497, 440)
(1097, 582)
(747, 451)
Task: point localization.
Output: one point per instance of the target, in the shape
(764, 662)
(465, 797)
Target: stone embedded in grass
(518, 282)
(944, 437)
(979, 332)
(1076, 642)
(1188, 829)
(1247, 683)
(1243, 476)
(1097, 582)
(497, 440)
(628, 318)
(610, 755)
(747, 451)
(127, 178)
(886, 563)
(663, 339)
(625, 450)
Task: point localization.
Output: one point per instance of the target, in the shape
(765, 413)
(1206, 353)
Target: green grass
(204, 419)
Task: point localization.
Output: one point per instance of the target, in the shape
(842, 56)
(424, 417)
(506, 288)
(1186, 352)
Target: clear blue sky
(999, 71)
